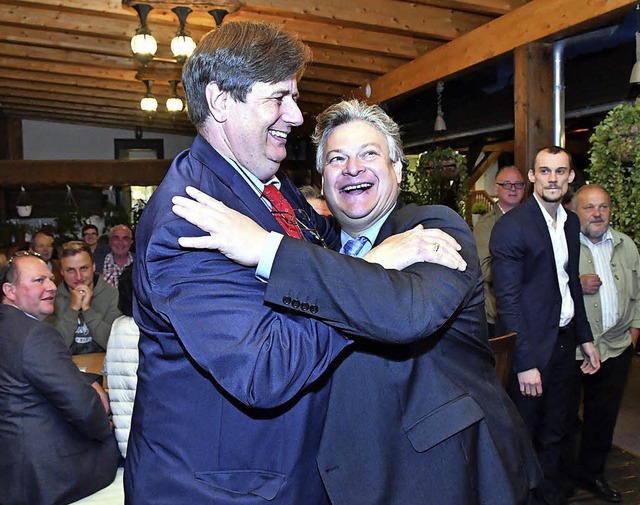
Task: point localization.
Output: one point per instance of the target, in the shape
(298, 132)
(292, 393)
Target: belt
(565, 329)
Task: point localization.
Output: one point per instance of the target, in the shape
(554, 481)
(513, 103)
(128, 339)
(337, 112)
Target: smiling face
(120, 241)
(551, 176)
(34, 290)
(254, 132)
(359, 181)
(593, 207)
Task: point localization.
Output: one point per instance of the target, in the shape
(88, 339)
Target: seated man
(416, 414)
(99, 250)
(56, 444)
(42, 243)
(120, 240)
(85, 305)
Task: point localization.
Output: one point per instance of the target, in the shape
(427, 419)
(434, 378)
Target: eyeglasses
(21, 254)
(304, 224)
(309, 229)
(511, 185)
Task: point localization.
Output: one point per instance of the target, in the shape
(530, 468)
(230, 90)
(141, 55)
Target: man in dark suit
(423, 422)
(229, 407)
(534, 255)
(56, 444)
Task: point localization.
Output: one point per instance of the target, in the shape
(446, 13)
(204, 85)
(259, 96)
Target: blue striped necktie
(354, 246)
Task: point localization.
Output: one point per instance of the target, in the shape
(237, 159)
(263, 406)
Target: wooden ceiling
(70, 60)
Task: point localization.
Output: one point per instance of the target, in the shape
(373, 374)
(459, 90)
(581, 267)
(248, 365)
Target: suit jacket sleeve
(49, 367)
(364, 299)
(508, 250)
(260, 355)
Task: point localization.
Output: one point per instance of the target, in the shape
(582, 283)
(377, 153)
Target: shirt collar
(607, 236)
(371, 233)
(256, 184)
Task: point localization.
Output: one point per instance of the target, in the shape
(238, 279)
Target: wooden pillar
(533, 101)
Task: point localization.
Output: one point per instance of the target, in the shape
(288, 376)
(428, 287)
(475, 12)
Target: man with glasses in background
(56, 443)
(509, 188)
(99, 250)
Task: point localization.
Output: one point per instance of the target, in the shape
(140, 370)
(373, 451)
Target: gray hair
(235, 56)
(356, 110)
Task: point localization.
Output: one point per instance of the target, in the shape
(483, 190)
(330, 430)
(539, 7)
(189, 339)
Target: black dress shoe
(599, 487)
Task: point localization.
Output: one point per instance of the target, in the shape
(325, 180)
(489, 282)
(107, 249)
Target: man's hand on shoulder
(230, 232)
(418, 245)
(530, 382)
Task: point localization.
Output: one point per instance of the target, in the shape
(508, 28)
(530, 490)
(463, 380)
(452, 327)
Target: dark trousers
(545, 416)
(601, 398)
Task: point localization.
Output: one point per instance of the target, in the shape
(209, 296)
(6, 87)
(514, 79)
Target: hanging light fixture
(440, 124)
(218, 15)
(174, 103)
(182, 45)
(148, 102)
(143, 44)
(635, 71)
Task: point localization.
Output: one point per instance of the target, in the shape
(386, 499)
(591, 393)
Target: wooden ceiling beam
(533, 21)
(490, 7)
(371, 40)
(443, 24)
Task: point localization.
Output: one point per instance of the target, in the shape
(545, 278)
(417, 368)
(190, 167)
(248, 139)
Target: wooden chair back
(503, 348)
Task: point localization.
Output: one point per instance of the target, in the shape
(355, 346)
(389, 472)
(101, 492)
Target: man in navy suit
(535, 258)
(230, 403)
(425, 421)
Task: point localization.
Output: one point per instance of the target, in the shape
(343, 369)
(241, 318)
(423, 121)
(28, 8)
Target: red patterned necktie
(282, 210)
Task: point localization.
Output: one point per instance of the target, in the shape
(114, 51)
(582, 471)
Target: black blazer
(423, 422)
(56, 445)
(526, 284)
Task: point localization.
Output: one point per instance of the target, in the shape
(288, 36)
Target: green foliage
(615, 158)
(479, 208)
(439, 177)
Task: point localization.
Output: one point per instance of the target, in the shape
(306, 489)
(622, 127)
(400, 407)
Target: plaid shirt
(111, 271)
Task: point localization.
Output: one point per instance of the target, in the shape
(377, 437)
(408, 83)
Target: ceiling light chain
(440, 124)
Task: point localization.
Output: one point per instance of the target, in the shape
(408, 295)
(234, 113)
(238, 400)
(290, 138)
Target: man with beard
(534, 255)
(610, 278)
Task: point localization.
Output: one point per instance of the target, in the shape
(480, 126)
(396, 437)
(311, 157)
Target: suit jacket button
(295, 304)
(313, 309)
(304, 306)
(286, 300)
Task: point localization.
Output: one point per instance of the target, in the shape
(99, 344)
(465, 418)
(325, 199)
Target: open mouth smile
(357, 187)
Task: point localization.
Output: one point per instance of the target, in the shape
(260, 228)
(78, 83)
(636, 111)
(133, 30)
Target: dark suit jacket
(56, 445)
(526, 284)
(226, 410)
(426, 422)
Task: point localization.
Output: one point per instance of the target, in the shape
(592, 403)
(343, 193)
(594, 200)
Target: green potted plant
(439, 176)
(614, 162)
(478, 209)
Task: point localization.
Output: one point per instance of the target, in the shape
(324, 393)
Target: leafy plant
(479, 208)
(615, 158)
(439, 177)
